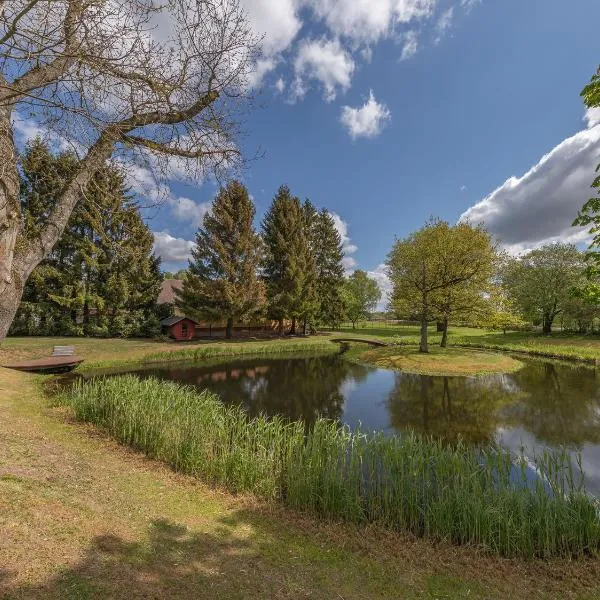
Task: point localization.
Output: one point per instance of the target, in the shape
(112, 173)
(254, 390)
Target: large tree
(361, 295)
(130, 79)
(222, 280)
(542, 282)
(288, 268)
(103, 264)
(329, 255)
(440, 270)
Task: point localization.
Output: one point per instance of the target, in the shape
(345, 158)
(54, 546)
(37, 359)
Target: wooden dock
(50, 364)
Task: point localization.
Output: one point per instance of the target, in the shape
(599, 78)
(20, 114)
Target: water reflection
(298, 388)
(544, 405)
(449, 407)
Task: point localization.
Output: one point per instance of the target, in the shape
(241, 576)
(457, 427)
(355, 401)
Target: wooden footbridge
(371, 342)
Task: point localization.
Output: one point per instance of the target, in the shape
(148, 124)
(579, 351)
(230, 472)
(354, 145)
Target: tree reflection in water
(449, 408)
(561, 403)
(557, 403)
(298, 388)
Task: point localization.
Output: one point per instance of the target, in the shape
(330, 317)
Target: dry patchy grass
(82, 517)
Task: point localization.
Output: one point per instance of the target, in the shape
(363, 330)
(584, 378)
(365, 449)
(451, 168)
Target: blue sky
(390, 111)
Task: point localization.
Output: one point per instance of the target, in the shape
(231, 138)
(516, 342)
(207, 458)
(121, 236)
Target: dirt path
(81, 517)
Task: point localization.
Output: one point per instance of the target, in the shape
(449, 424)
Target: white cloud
(411, 45)
(171, 249)
(369, 20)
(469, 5)
(189, 211)
(261, 68)
(280, 85)
(367, 120)
(539, 207)
(325, 61)
(348, 247)
(379, 274)
(443, 24)
(592, 116)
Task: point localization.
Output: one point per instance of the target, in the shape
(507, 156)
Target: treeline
(290, 271)
(102, 277)
(457, 274)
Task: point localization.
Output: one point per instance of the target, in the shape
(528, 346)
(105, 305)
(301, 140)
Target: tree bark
(444, 342)
(547, 325)
(293, 327)
(439, 326)
(229, 328)
(281, 326)
(424, 345)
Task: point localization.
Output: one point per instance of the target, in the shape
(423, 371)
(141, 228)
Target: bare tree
(165, 80)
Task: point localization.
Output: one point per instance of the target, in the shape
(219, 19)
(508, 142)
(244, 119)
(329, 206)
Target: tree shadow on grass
(172, 563)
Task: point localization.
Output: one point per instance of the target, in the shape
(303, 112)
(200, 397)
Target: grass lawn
(439, 361)
(556, 345)
(82, 517)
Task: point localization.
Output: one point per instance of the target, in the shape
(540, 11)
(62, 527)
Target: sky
(388, 112)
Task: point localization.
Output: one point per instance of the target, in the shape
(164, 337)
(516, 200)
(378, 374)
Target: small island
(444, 362)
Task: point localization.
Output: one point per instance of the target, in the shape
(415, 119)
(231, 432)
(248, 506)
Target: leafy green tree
(222, 280)
(361, 295)
(541, 282)
(440, 270)
(288, 267)
(500, 312)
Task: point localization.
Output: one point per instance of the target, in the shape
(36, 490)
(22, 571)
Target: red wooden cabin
(179, 328)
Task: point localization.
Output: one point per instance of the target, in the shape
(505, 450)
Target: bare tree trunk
(444, 342)
(293, 328)
(281, 326)
(547, 325)
(424, 346)
(229, 328)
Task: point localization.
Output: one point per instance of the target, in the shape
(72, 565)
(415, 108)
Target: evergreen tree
(329, 270)
(102, 267)
(288, 268)
(222, 280)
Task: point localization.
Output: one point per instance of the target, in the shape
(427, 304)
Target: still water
(543, 405)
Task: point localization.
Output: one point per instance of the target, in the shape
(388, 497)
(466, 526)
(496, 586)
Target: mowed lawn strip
(82, 517)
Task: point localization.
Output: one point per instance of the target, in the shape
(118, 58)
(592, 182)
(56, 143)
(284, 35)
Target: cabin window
(184, 329)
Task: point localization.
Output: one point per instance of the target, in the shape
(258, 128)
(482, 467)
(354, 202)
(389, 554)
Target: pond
(544, 405)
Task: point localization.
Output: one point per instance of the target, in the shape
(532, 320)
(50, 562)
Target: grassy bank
(408, 484)
(115, 352)
(558, 345)
(446, 362)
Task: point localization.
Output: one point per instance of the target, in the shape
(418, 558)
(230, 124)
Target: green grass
(446, 362)
(407, 483)
(565, 346)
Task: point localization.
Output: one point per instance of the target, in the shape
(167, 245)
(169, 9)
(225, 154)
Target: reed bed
(510, 506)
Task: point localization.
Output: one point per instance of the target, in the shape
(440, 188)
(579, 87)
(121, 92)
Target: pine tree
(103, 264)
(222, 280)
(287, 267)
(329, 270)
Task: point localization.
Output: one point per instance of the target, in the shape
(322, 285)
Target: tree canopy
(441, 270)
(162, 82)
(361, 295)
(222, 280)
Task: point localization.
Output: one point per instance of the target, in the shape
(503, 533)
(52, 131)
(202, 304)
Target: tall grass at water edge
(409, 483)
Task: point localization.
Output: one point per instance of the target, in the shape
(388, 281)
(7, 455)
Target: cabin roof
(167, 291)
(172, 320)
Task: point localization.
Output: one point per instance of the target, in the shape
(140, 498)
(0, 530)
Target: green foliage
(102, 271)
(361, 295)
(541, 282)
(441, 271)
(466, 495)
(222, 282)
(589, 215)
(327, 247)
(289, 265)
